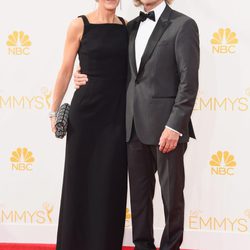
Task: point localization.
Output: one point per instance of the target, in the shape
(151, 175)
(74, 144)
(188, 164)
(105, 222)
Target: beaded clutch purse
(62, 117)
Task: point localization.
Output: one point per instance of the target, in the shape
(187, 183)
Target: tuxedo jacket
(163, 91)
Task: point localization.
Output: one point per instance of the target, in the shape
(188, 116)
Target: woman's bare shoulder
(76, 28)
(77, 24)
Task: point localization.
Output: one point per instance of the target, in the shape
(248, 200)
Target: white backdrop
(32, 37)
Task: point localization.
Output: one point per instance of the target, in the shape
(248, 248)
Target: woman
(93, 203)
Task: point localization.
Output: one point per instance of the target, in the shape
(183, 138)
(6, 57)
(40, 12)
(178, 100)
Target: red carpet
(6, 246)
(34, 247)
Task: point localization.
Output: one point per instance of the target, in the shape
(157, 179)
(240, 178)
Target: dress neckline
(120, 24)
(106, 24)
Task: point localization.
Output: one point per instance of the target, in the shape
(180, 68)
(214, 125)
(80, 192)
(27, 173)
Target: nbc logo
(224, 41)
(22, 160)
(222, 163)
(18, 43)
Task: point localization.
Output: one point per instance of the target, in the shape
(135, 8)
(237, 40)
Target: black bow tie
(150, 15)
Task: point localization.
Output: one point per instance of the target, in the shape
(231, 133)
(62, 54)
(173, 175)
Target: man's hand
(168, 140)
(80, 79)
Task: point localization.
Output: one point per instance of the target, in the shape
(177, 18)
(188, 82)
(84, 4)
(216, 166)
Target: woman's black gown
(93, 202)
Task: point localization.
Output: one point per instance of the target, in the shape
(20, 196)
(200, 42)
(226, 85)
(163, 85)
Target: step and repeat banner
(32, 35)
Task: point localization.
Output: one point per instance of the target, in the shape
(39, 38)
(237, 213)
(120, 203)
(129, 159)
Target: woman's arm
(72, 43)
(74, 35)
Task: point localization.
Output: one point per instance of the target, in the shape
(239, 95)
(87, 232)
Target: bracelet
(52, 114)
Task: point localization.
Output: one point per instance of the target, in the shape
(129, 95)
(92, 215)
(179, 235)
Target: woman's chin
(111, 4)
(110, 7)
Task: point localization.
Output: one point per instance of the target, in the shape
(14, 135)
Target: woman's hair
(138, 2)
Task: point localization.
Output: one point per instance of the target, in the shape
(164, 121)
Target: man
(162, 88)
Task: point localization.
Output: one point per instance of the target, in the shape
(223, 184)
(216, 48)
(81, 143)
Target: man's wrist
(180, 134)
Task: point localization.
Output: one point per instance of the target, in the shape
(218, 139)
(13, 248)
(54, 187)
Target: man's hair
(138, 2)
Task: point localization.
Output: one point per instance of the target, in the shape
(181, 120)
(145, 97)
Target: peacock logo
(224, 36)
(22, 159)
(19, 43)
(224, 41)
(222, 163)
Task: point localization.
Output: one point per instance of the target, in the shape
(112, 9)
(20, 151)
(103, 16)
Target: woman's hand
(53, 123)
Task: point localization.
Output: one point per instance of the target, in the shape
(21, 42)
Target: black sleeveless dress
(93, 202)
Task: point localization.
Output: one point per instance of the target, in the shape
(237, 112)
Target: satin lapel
(158, 31)
(132, 45)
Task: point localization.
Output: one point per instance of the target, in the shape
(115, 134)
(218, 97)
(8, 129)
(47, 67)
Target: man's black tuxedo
(163, 91)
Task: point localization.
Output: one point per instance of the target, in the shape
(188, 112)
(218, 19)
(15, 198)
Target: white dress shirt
(144, 32)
